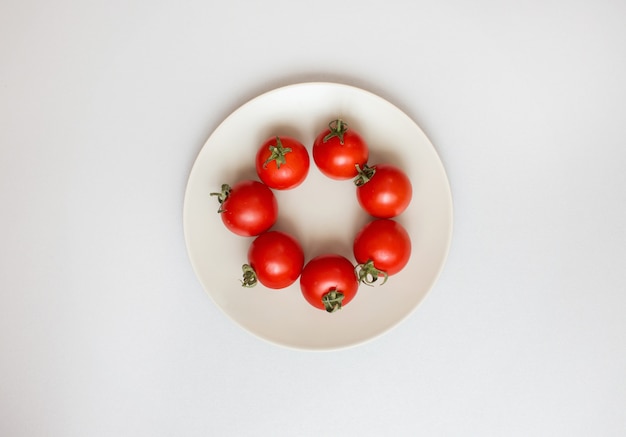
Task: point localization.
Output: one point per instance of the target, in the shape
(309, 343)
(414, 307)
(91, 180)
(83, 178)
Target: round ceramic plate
(323, 214)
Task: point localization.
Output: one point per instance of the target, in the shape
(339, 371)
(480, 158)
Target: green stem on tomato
(365, 174)
(332, 300)
(337, 129)
(278, 154)
(368, 274)
(249, 276)
(222, 196)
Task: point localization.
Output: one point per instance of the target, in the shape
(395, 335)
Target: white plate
(323, 214)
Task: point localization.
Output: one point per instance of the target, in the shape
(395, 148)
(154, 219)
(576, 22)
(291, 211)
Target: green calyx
(222, 196)
(249, 276)
(332, 300)
(365, 174)
(337, 129)
(278, 154)
(368, 274)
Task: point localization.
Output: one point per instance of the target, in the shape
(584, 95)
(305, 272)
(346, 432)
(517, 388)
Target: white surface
(323, 214)
(104, 328)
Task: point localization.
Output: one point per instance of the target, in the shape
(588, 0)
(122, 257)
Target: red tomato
(328, 282)
(382, 248)
(247, 208)
(275, 260)
(282, 163)
(337, 150)
(383, 191)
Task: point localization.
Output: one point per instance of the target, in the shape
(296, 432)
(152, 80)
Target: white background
(104, 328)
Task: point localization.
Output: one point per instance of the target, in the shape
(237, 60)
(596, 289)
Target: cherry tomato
(383, 191)
(328, 282)
(275, 259)
(382, 248)
(282, 163)
(337, 150)
(247, 208)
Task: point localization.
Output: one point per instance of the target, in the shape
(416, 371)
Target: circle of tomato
(381, 248)
(383, 191)
(328, 282)
(338, 150)
(275, 259)
(248, 208)
(282, 163)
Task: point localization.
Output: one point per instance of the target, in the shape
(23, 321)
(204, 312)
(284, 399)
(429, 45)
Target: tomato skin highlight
(387, 194)
(249, 209)
(386, 243)
(336, 160)
(279, 174)
(325, 273)
(277, 259)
